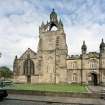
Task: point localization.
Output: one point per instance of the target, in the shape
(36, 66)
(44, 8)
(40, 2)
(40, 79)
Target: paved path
(20, 102)
(54, 99)
(95, 89)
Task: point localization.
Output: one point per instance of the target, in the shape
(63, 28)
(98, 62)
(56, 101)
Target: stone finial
(16, 57)
(42, 25)
(102, 40)
(60, 23)
(83, 42)
(53, 10)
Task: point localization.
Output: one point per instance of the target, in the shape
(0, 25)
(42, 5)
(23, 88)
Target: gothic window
(28, 67)
(93, 64)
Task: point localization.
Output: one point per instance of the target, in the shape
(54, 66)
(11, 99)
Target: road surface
(17, 99)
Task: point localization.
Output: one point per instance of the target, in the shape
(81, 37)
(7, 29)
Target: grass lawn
(51, 87)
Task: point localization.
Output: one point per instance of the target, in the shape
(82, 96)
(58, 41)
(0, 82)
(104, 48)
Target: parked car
(7, 82)
(3, 93)
(4, 83)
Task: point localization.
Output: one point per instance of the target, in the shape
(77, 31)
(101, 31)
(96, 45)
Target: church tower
(52, 51)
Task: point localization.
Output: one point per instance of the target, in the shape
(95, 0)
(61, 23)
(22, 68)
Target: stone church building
(52, 64)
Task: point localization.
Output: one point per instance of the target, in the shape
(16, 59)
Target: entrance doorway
(28, 79)
(94, 79)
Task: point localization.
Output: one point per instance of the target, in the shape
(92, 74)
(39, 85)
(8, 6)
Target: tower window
(54, 28)
(57, 41)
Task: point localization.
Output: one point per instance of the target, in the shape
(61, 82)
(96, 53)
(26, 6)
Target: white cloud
(20, 20)
(92, 36)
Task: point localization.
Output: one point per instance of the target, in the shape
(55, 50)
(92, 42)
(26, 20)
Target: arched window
(74, 65)
(74, 77)
(28, 67)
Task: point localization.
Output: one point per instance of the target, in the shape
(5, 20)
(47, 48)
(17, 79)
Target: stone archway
(94, 79)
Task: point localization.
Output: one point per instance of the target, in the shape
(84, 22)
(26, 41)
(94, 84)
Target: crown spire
(53, 16)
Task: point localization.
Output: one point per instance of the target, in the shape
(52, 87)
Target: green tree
(5, 72)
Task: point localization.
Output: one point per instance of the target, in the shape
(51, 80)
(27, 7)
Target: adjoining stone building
(52, 64)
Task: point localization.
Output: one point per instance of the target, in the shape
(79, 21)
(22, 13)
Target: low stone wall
(61, 94)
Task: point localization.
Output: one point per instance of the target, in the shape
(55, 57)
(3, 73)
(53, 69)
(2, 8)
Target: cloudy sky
(20, 21)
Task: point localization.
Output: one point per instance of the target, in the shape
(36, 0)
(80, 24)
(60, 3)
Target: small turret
(84, 48)
(41, 28)
(15, 66)
(102, 46)
(15, 59)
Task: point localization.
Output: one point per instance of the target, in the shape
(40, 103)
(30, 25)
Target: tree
(5, 72)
